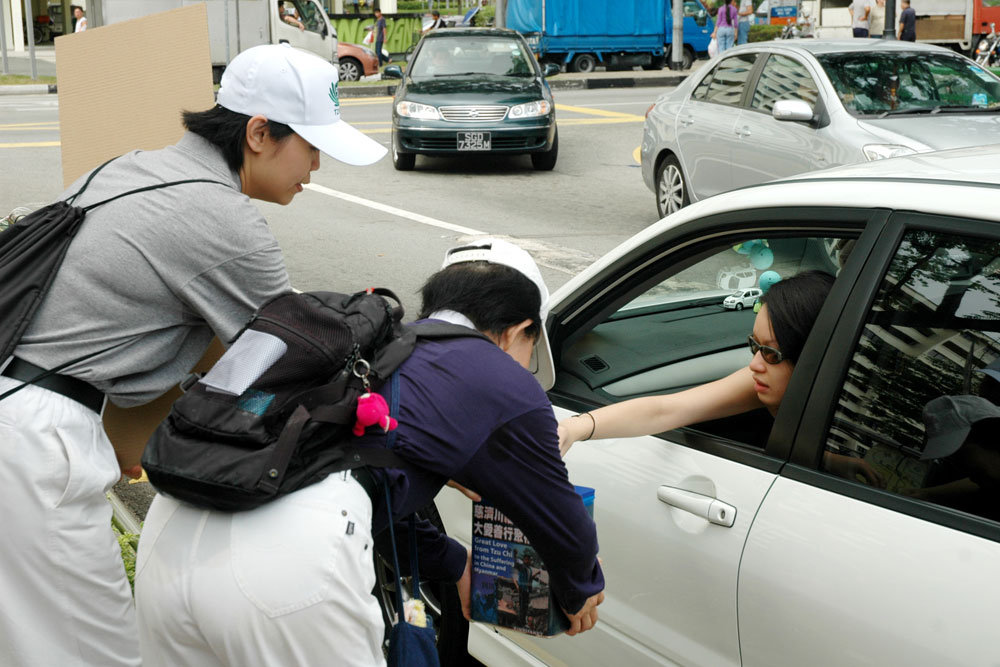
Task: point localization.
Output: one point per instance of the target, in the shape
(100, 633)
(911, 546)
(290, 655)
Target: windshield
(877, 84)
(458, 56)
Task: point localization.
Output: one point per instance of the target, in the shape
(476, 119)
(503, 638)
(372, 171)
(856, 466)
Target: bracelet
(593, 425)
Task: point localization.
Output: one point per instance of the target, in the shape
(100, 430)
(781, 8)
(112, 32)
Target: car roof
(822, 46)
(963, 182)
(467, 32)
(971, 165)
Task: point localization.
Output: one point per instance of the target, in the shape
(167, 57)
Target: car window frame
(840, 338)
(749, 85)
(793, 57)
(684, 246)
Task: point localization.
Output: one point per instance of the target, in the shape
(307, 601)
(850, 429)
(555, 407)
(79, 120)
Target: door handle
(743, 132)
(687, 121)
(707, 507)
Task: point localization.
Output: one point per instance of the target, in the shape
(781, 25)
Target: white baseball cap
(948, 420)
(299, 89)
(498, 251)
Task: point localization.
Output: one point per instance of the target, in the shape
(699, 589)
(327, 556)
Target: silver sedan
(774, 109)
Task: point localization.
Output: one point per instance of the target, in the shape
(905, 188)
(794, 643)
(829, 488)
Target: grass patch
(24, 80)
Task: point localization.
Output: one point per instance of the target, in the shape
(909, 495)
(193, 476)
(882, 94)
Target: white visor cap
(299, 89)
(498, 251)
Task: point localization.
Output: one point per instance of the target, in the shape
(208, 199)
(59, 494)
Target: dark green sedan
(473, 90)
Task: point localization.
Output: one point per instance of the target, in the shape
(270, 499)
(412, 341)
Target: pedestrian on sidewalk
(725, 25)
(860, 11)
(907, 31)
(379, 32)
(877, 20)
(147, 282)
(80, 19)
(746, 16)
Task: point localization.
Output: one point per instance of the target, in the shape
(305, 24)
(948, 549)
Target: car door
(766, 148)
(841, 568)
(315, 38)
(706, 126)
(652, 323)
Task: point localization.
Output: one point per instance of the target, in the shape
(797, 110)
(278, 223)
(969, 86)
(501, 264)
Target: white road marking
(557, 258)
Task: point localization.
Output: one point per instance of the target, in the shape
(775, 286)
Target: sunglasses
(769, 354)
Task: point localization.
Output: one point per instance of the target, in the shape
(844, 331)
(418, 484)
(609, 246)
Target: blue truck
(582, 34)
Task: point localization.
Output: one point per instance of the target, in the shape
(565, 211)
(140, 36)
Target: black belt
(367, 482)
(82, 392)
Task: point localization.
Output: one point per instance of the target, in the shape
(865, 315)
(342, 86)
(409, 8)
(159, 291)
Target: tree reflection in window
(934, 323)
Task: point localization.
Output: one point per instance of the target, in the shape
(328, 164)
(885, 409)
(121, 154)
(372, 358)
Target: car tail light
(650, 109)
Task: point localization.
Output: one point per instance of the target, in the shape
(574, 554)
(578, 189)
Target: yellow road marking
(358, 101)
(637, 154)
(33, 144)
(49, 125)
(599, 112)
(597, 121)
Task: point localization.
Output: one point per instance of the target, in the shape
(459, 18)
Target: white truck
(955, 23)
(236, 25)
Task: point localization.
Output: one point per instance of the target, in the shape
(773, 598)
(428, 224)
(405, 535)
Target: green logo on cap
(335, 95)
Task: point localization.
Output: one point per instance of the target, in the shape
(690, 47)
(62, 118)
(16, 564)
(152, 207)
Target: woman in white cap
(291, 583)
(147, 282)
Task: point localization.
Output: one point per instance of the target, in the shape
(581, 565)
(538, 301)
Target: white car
(742, 298)
(807, 567)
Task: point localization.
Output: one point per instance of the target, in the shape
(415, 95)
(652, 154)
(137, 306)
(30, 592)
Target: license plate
(473, 141)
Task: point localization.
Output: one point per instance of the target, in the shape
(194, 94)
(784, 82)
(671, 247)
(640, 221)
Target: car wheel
(739, 306)
(584, 62)
(688, 59)
(440, 599)
(671, 191)
(350, 69)
(402, 161)
(546, 161)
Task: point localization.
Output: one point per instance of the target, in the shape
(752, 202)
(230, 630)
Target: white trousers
(287, 584)
(64, 597)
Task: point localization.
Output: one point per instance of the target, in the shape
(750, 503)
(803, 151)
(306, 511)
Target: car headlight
(368, 51)
(530, 110)
(883, 151)
(417, 110)
(983, 46)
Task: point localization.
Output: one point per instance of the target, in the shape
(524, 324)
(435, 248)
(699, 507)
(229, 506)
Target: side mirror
(551, 69)
(701, 18)
(793, 110)
(392, 72)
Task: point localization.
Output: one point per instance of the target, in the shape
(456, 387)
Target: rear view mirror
(551, 69)
(701, 18)
(392, 72)
(793, 110)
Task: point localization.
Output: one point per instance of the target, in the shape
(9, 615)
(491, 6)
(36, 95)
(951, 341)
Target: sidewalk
(45, 65)
(19, 62)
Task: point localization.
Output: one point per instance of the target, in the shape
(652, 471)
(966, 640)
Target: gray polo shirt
(154, 275)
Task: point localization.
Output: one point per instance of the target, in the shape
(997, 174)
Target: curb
(389, 90)
(29, 89)
(555, 84)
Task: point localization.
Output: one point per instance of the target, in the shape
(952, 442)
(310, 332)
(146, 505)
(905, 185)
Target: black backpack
(31, 251)
(276, 412)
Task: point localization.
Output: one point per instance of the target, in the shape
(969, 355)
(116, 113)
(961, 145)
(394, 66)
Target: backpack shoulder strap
(157, 186)
(72, 198)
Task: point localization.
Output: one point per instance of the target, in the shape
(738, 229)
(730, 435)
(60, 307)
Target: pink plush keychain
(372, 409)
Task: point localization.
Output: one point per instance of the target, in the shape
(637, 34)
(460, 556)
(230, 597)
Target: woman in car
(788, 311)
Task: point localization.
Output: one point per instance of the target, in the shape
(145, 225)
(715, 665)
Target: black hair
(226, 130)
(494, 296)
(793, 304)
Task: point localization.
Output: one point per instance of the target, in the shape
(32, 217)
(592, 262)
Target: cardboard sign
(123, 87)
